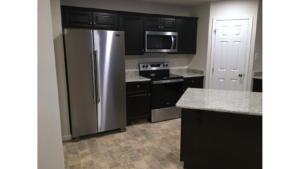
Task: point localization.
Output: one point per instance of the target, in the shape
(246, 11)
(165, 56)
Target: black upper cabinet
(75, 18)
(167, 24)
(152, 23)
(133, 28)
(187, 34)
(134, 25)
(159, 24)
(105, 20)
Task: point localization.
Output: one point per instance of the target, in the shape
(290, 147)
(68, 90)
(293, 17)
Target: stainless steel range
(166, 90)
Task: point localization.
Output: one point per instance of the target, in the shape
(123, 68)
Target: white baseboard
(66, 137)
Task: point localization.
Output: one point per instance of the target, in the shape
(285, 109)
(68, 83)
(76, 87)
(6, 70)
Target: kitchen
(146, 139)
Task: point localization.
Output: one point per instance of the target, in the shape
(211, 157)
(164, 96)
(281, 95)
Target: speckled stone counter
(239, 102)
(133, 76)
(187, 72)
(257, 75)
(218, 126)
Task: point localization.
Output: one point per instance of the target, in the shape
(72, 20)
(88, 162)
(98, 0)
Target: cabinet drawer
(137, 86)
(193, 81)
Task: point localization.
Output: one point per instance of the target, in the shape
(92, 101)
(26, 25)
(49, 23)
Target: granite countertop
(239, 102)
(187, 72)
(257, 75)
(133, 76)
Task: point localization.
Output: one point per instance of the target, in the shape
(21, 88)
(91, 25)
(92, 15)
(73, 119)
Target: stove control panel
(154, 66)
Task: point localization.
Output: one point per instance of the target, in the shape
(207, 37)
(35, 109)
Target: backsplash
(257, 73)
(185, 70)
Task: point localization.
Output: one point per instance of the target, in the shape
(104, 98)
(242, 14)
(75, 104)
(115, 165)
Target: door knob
(240, 75)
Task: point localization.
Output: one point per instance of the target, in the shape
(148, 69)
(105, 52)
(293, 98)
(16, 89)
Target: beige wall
(198, 61)
(50, 149)
(233, 9)
(257, 65)
(60, 68)
(131, 61)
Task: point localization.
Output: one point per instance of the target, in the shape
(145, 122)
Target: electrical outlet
(256, 56)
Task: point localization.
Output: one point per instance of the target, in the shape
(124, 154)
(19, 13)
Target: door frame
(248, 45)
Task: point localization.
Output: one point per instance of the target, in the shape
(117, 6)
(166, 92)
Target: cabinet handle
(138, 86)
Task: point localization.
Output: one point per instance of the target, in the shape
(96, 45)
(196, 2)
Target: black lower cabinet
(193, 82)
(217, 140)
(257, 85)
(137, 101)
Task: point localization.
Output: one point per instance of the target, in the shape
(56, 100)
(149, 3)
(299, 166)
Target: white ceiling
(187, 3)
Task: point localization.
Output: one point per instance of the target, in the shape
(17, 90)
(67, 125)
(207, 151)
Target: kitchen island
(221, 129)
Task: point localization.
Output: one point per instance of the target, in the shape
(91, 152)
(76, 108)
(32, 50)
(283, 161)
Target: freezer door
(111, 98)
(82, 98)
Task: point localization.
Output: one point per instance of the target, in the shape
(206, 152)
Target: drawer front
(193, 81)
(137, 86)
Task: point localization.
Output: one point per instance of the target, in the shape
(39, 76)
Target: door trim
(248, 45)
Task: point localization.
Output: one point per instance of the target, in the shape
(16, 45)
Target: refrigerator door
(81, 86)
(109, 48)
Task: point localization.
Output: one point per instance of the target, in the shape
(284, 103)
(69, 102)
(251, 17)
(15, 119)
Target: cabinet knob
(91, 23)
(158, 26)
(162, 27)
(138, 86)
(149, 94)
(240, 75)
(193, 81)
(94, 23)
(142, 50)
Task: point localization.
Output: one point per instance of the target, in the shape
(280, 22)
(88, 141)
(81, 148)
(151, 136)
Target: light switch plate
(256, 56)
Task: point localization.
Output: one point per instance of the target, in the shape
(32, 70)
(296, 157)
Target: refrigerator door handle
(97, 75)
(93, 74)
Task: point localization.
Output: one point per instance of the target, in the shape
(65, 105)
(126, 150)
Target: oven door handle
(167, 81)
(172, 42)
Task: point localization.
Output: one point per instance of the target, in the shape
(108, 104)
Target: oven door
(166, 93)
(161, 41)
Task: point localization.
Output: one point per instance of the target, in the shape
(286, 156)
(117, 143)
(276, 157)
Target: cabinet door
(105, 20)
(167, 24)
(187, 34)
(75, 18)
(138, 105)
(257, 85)
(152, 23)
(134, 34)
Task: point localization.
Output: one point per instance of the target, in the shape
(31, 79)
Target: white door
(229, 54)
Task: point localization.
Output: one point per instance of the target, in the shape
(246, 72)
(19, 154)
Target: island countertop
(239, 102)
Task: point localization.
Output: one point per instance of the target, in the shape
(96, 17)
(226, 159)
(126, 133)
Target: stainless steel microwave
(161, 41)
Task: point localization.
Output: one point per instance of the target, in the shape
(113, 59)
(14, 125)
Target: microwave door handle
(172, 42)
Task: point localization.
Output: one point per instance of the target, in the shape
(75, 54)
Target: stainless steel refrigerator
(96, 80)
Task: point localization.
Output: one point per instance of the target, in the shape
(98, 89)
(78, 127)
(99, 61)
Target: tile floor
(142, 146)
